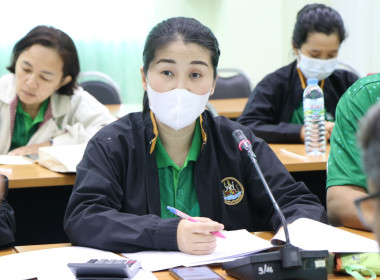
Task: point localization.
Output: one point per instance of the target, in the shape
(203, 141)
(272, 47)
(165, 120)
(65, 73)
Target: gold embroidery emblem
(233, 191)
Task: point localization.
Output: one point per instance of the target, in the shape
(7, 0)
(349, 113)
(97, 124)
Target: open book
(304, 233)
(61, 158)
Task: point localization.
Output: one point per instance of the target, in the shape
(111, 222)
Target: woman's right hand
(196, 238)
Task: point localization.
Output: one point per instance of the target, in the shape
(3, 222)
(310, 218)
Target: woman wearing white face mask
(274, 110)
(177, 154)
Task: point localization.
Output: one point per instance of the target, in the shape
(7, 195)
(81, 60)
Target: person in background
(40, 103)
(346, 180)
(274, 110)
(176, 154)
(368, 207)
(7, 216)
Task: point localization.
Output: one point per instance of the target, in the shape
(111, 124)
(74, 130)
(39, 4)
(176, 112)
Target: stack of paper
(15, 160)
(304, 233)
(312, 235)
(237, 244)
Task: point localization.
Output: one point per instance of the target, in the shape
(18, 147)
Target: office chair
(101, 86)
(232, 83)
(212, 109)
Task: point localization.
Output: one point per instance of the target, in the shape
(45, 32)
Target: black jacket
(7, 221)
(271, 104)
(115, 203)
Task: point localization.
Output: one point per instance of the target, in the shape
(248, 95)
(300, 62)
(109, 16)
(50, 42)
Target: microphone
(289, 262)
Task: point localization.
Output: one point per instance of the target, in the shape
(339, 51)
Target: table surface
(164, 275)
(34, 175)
(230, 108)
(293, 157)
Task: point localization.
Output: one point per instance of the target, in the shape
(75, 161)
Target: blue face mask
(316, 68)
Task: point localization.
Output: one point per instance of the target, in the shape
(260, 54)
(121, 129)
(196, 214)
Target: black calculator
(105, 268)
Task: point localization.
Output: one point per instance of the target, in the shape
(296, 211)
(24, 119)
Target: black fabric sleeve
(94, 215)
(263, 111)
(7, 221)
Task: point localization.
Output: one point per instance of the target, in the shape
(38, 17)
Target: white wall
(362, 47)
(254, 35)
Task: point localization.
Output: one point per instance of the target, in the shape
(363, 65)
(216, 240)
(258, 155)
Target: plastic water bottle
(314, 119)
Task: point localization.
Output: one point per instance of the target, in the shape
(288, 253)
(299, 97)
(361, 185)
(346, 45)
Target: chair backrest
(348, 67)
(101, 86)
(232, 83)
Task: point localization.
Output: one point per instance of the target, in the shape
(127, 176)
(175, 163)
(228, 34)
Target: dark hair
(178, 28)
(56, 39)
(317, 18)
(369, 139)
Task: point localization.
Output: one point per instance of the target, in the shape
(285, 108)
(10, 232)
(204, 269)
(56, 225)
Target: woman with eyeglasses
(274, 110)
(7, 216)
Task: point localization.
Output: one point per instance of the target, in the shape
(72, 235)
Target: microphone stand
(287, 263)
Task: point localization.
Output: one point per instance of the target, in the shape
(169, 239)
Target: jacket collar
(152, 131)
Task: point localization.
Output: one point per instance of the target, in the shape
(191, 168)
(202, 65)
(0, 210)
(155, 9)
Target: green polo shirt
(177, 188)
(344, 165)
(25, 126)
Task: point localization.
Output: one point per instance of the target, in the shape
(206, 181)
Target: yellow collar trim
(155, 131)
(303, 83)
(204, 135)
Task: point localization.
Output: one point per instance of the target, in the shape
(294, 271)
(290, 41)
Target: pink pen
(187, 217)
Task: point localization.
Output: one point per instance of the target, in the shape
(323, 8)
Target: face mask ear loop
(299, 56)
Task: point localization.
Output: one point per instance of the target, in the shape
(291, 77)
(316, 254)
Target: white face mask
(316, 68)
(177, 108)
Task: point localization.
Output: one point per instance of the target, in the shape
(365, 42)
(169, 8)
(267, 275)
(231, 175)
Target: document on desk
(52, 263)
(15, 160)
(61, 158)
(308, 234)
(237, 244)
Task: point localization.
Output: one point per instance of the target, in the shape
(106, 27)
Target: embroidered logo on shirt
(233, 191)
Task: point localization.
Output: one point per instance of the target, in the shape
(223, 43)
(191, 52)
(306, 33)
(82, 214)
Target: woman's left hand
(28, 150)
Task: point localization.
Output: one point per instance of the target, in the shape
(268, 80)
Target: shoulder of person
(345, 75)
(128, 126)
(366, 86)
(7, 88)
(224, 126)
(281, 75)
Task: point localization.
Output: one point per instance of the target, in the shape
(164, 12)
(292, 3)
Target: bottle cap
(312, 81)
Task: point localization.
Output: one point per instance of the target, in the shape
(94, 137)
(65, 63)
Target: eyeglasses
(366, 209)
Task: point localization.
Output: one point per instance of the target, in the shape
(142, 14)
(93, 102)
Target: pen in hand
(191, 219)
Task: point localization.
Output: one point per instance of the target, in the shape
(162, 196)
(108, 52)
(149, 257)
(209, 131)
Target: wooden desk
(164, 275)
(8, 251)
(34, 175)
(230, 108)
(293, 163)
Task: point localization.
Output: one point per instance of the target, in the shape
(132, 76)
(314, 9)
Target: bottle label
(314, 108)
